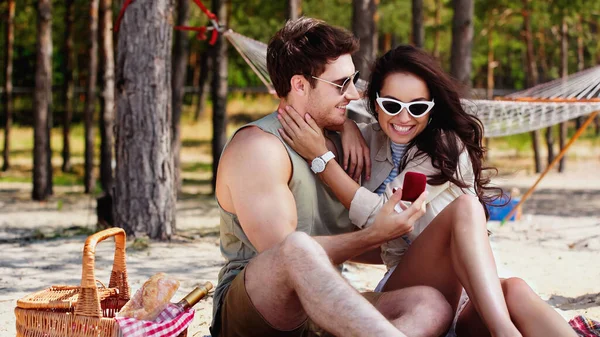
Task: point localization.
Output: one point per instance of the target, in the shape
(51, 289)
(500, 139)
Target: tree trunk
(68, 85)
(550, 144)
(42, 171)
(562, 136)
(549, 131)
(532, 80)
(395, 41)
(387, 42)
(462, 41)
(195, 64)
(491, 62)
(504, 79)
(203, 83)
(418, 30)
(564, 54)
(219, 90)
(580, 59)
(597, 33)
(294, 9)
(90, 100)
(542, 56)
(535, 142)
(490, 76)
(144, 201)
(180, 58)
(580, 44)
(8, 101)
(597, 61)
(107, 118)
(364, 26)
(438, 28)
(532, 73)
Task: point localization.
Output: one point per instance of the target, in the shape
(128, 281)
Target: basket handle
(88, 303)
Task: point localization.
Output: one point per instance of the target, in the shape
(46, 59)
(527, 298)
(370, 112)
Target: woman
(422, 127)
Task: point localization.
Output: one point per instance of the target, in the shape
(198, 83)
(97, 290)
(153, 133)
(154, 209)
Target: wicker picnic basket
(79, 311)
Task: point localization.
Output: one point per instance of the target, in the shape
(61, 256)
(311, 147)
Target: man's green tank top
(319, 212)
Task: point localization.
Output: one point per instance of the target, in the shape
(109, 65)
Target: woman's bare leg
(469, 324)
(532, 316)
(454, 251)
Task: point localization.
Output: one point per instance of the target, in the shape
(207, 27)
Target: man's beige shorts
(239, 317)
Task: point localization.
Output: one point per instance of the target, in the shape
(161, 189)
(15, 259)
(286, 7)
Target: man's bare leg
(296, 278)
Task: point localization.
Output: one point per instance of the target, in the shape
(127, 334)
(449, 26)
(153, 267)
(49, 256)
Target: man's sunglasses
(344, 86)
(393, 107)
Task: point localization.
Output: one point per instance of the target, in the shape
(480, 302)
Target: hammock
(503, 118)
(532, 109)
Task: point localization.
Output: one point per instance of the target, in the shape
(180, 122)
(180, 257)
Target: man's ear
(299, 85)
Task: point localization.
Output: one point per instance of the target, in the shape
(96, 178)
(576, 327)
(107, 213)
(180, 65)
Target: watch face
(318, 165)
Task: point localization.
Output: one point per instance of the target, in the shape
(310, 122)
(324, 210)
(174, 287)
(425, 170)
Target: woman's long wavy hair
(449, 126)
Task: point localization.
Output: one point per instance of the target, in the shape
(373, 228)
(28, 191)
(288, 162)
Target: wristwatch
(318, 164)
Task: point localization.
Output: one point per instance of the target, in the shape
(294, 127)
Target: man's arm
(372, 256)
(253, 175)
(253, 183)
(388, 225)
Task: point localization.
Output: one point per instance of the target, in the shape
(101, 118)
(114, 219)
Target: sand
(554, 247)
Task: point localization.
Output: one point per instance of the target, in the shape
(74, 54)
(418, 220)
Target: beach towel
(585, 327)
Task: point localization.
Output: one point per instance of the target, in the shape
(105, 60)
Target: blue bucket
(498, 210)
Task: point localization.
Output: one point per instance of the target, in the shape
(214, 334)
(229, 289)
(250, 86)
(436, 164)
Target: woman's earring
(430, 118)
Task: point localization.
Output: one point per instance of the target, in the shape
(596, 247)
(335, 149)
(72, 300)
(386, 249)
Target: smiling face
(405, 87)
(325, 103)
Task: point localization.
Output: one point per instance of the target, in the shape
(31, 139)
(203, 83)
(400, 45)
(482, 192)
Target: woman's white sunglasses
(393, 107)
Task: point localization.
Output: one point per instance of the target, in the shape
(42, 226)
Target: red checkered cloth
(585, 327)
(169, 323)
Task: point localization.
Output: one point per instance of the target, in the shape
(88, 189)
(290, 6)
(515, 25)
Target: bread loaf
(152, 298)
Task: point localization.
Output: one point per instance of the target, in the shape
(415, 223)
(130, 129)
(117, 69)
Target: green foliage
(394, 18)
(336, 12)
(260, 19)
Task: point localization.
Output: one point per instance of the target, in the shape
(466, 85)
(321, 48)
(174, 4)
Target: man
(281, 228)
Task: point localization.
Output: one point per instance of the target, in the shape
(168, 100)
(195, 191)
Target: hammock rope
(200, 31)
(584, 85)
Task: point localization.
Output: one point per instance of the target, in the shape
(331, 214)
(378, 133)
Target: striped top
(398, 151)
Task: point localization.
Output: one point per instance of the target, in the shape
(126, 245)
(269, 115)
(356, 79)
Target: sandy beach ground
(555, 246)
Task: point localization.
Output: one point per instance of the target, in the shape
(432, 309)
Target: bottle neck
(184, 304)
(194, 296)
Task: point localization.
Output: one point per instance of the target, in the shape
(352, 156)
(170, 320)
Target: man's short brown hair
(304, 47)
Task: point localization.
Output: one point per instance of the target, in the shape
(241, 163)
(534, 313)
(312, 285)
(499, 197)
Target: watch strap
(327, 156)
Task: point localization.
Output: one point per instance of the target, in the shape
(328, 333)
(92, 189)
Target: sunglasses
(393, 107)
(344, 86)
